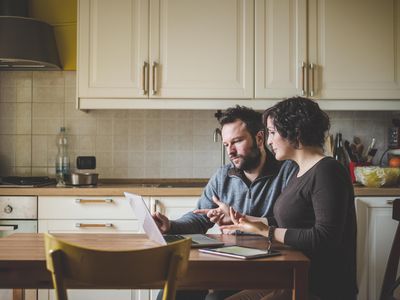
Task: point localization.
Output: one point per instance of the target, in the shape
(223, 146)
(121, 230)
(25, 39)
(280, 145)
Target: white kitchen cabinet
(189, 54)
(375, 232)
(69, 214)
(84, 207)
(132, 49)
(327, 49)
(112, 48)
(280, 47)
(100, 295)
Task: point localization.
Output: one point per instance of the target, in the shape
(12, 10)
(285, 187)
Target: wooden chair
(390, 283)
(95, 268)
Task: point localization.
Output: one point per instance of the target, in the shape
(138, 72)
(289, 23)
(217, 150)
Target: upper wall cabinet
(112, 48)
(327, 49)
(280, 47)
(191, 54)
(165, 49)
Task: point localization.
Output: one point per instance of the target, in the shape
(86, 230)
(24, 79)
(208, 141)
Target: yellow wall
(62, 15)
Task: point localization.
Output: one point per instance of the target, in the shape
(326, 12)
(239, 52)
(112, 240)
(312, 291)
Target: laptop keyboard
(170, 238)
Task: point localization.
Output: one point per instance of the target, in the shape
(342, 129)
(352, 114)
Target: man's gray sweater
(232, 187)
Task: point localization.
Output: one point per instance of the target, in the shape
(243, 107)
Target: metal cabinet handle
(86, 225)
(8, 227)
(91, 201)
(390, 202)
(154, 74)
(155, 207)
(145, 76)
(312, 68)
(303, 79)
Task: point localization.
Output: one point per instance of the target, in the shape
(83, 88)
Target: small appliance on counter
(25, 181)
(84, 175)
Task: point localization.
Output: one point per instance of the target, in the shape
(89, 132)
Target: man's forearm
(190, 223)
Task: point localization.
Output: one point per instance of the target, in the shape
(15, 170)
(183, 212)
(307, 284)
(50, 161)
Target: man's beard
(251, 160)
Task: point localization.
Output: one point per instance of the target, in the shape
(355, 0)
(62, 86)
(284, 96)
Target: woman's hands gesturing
(243, 223)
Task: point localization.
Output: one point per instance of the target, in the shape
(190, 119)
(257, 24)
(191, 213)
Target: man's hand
(162, 222)
(218, 215)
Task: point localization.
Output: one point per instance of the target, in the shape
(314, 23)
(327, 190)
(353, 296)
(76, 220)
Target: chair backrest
(389, 281)
(71, 263)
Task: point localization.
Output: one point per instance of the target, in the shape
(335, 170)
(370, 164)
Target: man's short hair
(251, 118)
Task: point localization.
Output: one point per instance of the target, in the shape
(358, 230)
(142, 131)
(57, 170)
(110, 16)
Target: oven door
(8, 227)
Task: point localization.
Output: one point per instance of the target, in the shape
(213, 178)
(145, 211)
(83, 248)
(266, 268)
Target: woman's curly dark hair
(299, 120)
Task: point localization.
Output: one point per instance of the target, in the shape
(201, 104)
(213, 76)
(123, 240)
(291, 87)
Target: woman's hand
(243, 223)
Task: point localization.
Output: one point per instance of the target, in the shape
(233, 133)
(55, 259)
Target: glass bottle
(62, 159)
(339, 152)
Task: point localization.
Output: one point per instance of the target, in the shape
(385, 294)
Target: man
(250, 184)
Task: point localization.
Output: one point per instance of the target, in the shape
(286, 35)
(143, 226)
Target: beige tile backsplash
(127, 144)
(22, 155)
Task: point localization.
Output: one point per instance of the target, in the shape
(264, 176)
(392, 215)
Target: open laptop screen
(143, 214)
(150, 227)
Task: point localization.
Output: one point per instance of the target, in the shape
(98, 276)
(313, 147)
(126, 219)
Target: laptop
(151, 229)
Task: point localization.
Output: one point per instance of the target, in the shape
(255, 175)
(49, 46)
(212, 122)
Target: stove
(31, 181)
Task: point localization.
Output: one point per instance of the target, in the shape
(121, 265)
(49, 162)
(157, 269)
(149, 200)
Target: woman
(315, 212)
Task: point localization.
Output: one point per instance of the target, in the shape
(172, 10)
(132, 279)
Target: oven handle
(4, 227)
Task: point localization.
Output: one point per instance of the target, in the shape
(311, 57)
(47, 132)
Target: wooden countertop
(384, 191)
(102, 190)
(153, 187)
(117, 187)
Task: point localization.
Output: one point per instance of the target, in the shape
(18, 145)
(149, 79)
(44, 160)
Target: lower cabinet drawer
(90, 226)
(97, 295)
(85, 207)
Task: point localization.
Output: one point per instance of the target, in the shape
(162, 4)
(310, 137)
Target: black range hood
(25, 43)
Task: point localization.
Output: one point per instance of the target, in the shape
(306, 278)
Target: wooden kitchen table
(23, 263)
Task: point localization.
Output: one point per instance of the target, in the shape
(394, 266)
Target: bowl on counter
(83, 179)
(373, 176)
